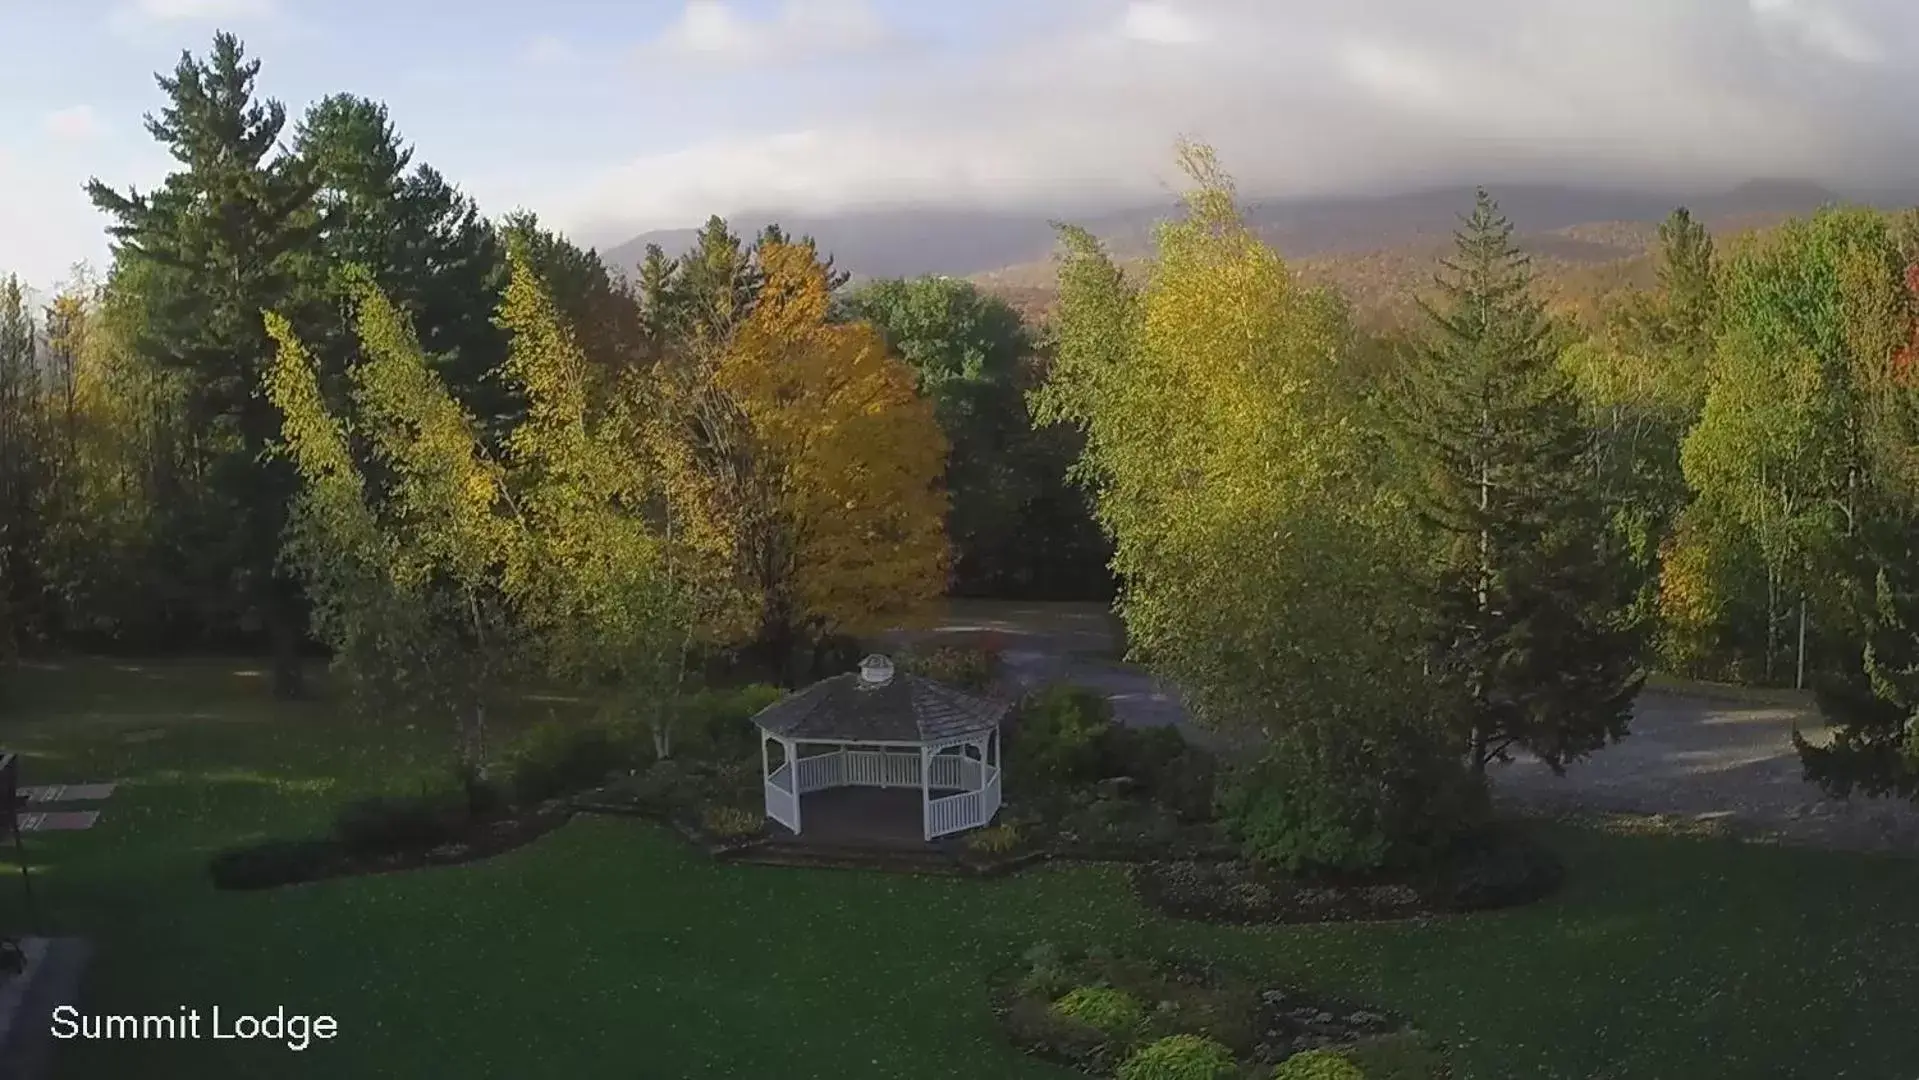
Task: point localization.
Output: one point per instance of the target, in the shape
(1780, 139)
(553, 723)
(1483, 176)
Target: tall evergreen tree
(657, 290)
(1530, 631)
(22, 473)
(717, 284)
(1873, 701)
(228, 236)
(425, 244)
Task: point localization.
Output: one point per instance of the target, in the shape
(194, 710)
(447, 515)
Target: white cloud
(198, 10)
(1303, 97)
(1160, 23)
(76, 123)
(1821, 25)
(137, 16)
(717, 32)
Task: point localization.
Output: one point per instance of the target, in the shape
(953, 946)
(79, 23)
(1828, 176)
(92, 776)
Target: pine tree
(22, 469)
(1529, 601)
(425, 243)
(661, 310)
(1873, 701)
(230, 235)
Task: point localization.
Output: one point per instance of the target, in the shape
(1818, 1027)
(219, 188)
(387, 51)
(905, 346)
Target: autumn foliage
(836, 501)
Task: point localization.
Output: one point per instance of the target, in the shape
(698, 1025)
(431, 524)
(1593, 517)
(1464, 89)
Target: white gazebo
(878, 729)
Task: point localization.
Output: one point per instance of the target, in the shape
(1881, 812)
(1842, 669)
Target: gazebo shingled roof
(906, 709)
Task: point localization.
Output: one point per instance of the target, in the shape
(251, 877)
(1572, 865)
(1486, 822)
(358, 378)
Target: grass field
(609, 949)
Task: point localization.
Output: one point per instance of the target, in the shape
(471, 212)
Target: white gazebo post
(926, 795)
(793, 777)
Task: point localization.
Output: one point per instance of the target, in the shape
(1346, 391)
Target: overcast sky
(613, 118)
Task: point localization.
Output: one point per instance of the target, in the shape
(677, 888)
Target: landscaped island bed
(613, 948)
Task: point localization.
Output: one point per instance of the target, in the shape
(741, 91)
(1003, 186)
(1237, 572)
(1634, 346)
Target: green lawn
(609, 949)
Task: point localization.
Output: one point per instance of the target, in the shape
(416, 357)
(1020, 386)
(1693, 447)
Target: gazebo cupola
(882, 728)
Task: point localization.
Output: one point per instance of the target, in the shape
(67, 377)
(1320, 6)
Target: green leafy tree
(404, 575)
(1641, 381)
(606, 578)
(1264, 556)
(1802, 441)
(973, 357)
(230, 234)
(1531, 631)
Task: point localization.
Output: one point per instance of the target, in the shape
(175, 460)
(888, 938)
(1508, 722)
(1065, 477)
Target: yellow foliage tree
(818, 460)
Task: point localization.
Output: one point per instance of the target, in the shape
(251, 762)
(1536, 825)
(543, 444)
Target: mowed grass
(610, 949)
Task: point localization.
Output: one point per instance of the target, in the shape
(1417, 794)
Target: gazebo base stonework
(878, 729)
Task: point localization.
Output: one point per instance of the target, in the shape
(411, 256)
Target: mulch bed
(293, 862)
(1260, 1023)
(1504, 869)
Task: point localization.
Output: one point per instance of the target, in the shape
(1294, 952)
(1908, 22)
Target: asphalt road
(1721, 763)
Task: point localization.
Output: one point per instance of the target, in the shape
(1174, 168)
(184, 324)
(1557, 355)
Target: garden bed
(1093, 1011)
(1503, 868)
(294, 862)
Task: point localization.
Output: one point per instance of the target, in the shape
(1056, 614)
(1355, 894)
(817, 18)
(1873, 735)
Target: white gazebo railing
(782, 802)
(968, 770)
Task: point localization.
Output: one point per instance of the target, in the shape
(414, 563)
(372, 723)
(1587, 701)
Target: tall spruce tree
(228, 236)
(1530, 628)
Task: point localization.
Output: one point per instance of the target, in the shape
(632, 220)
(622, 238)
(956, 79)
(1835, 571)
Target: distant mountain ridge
(1379, 249)
(906, 241)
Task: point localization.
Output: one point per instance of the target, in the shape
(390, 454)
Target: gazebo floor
(861, 817)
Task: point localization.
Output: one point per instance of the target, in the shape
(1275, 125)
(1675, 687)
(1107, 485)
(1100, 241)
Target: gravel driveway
(1723, 764)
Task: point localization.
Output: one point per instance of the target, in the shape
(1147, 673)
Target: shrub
(1057, 734)
(1317, 1065)
(1046, 976)
(994, 839)
(13, 960)
(1497, 867)
(1180, 1057)
(387, 824)
(731, 822)
(973, 669)
(718, 723)
(1103, 1008)
(484, 796)
(276, 862)
(1173, 772)
(1348, 800)
(662, 788)
(556, 758)
(1036, 1026)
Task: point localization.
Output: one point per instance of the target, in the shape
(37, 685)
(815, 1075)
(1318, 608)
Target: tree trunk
(1799, 680)
(1772, 619)
(284, 632)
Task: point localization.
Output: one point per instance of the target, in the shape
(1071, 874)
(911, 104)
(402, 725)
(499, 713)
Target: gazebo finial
(876, 670)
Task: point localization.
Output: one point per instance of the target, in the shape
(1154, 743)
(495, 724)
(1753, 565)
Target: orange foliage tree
(810, 449)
